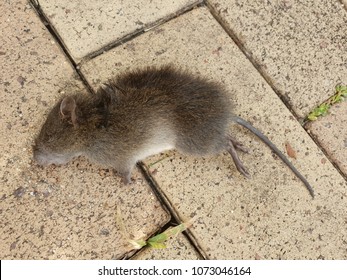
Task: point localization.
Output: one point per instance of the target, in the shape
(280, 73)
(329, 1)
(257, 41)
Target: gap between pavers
(300, 46)
(88, 26)
(270, 216)
(66, 212)
(331, 133)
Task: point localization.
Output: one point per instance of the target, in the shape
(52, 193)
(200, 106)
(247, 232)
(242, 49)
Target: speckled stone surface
(331, 133)
(301, 46)
(87, 26)
(271, 215)
(80, 211)
(65, 212)
(177, 248)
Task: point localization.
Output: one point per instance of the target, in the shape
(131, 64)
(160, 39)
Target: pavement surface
(278, 60)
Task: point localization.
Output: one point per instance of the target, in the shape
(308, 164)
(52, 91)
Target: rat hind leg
(237, 145)
(232, 146)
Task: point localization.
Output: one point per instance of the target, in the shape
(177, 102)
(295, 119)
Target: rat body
(142, 113)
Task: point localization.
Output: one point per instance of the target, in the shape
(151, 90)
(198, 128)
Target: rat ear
(68, 109)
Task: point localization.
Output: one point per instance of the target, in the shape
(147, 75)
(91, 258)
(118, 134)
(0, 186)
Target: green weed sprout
(322, 110)
(157, 241)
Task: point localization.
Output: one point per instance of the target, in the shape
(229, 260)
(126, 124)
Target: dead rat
(142, 113)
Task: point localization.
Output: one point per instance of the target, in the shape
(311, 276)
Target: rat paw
(126, 178)
(127, 181)
(237, 145)
(239, 165)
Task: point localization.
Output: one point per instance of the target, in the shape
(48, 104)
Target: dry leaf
(290, 151)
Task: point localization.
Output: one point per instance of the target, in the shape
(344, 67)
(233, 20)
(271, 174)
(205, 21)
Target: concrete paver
(65, 212)
(87, 26)
(299, 45)
(330, 132)
(73, 211)
(270, 216)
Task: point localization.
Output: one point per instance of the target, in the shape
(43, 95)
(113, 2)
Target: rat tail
(266, 140)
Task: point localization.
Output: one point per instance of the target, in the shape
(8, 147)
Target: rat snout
(41, 159)
(37, 154)
(40, 156)
(45, 157)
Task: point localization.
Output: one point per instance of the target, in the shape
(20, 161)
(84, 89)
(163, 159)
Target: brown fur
(140, 113)
(129, 111)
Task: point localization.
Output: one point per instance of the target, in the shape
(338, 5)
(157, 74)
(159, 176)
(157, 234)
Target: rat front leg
(125, 174)
(231, 148)
(126, 177)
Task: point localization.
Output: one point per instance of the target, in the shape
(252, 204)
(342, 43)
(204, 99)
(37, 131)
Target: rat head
(60, 138)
